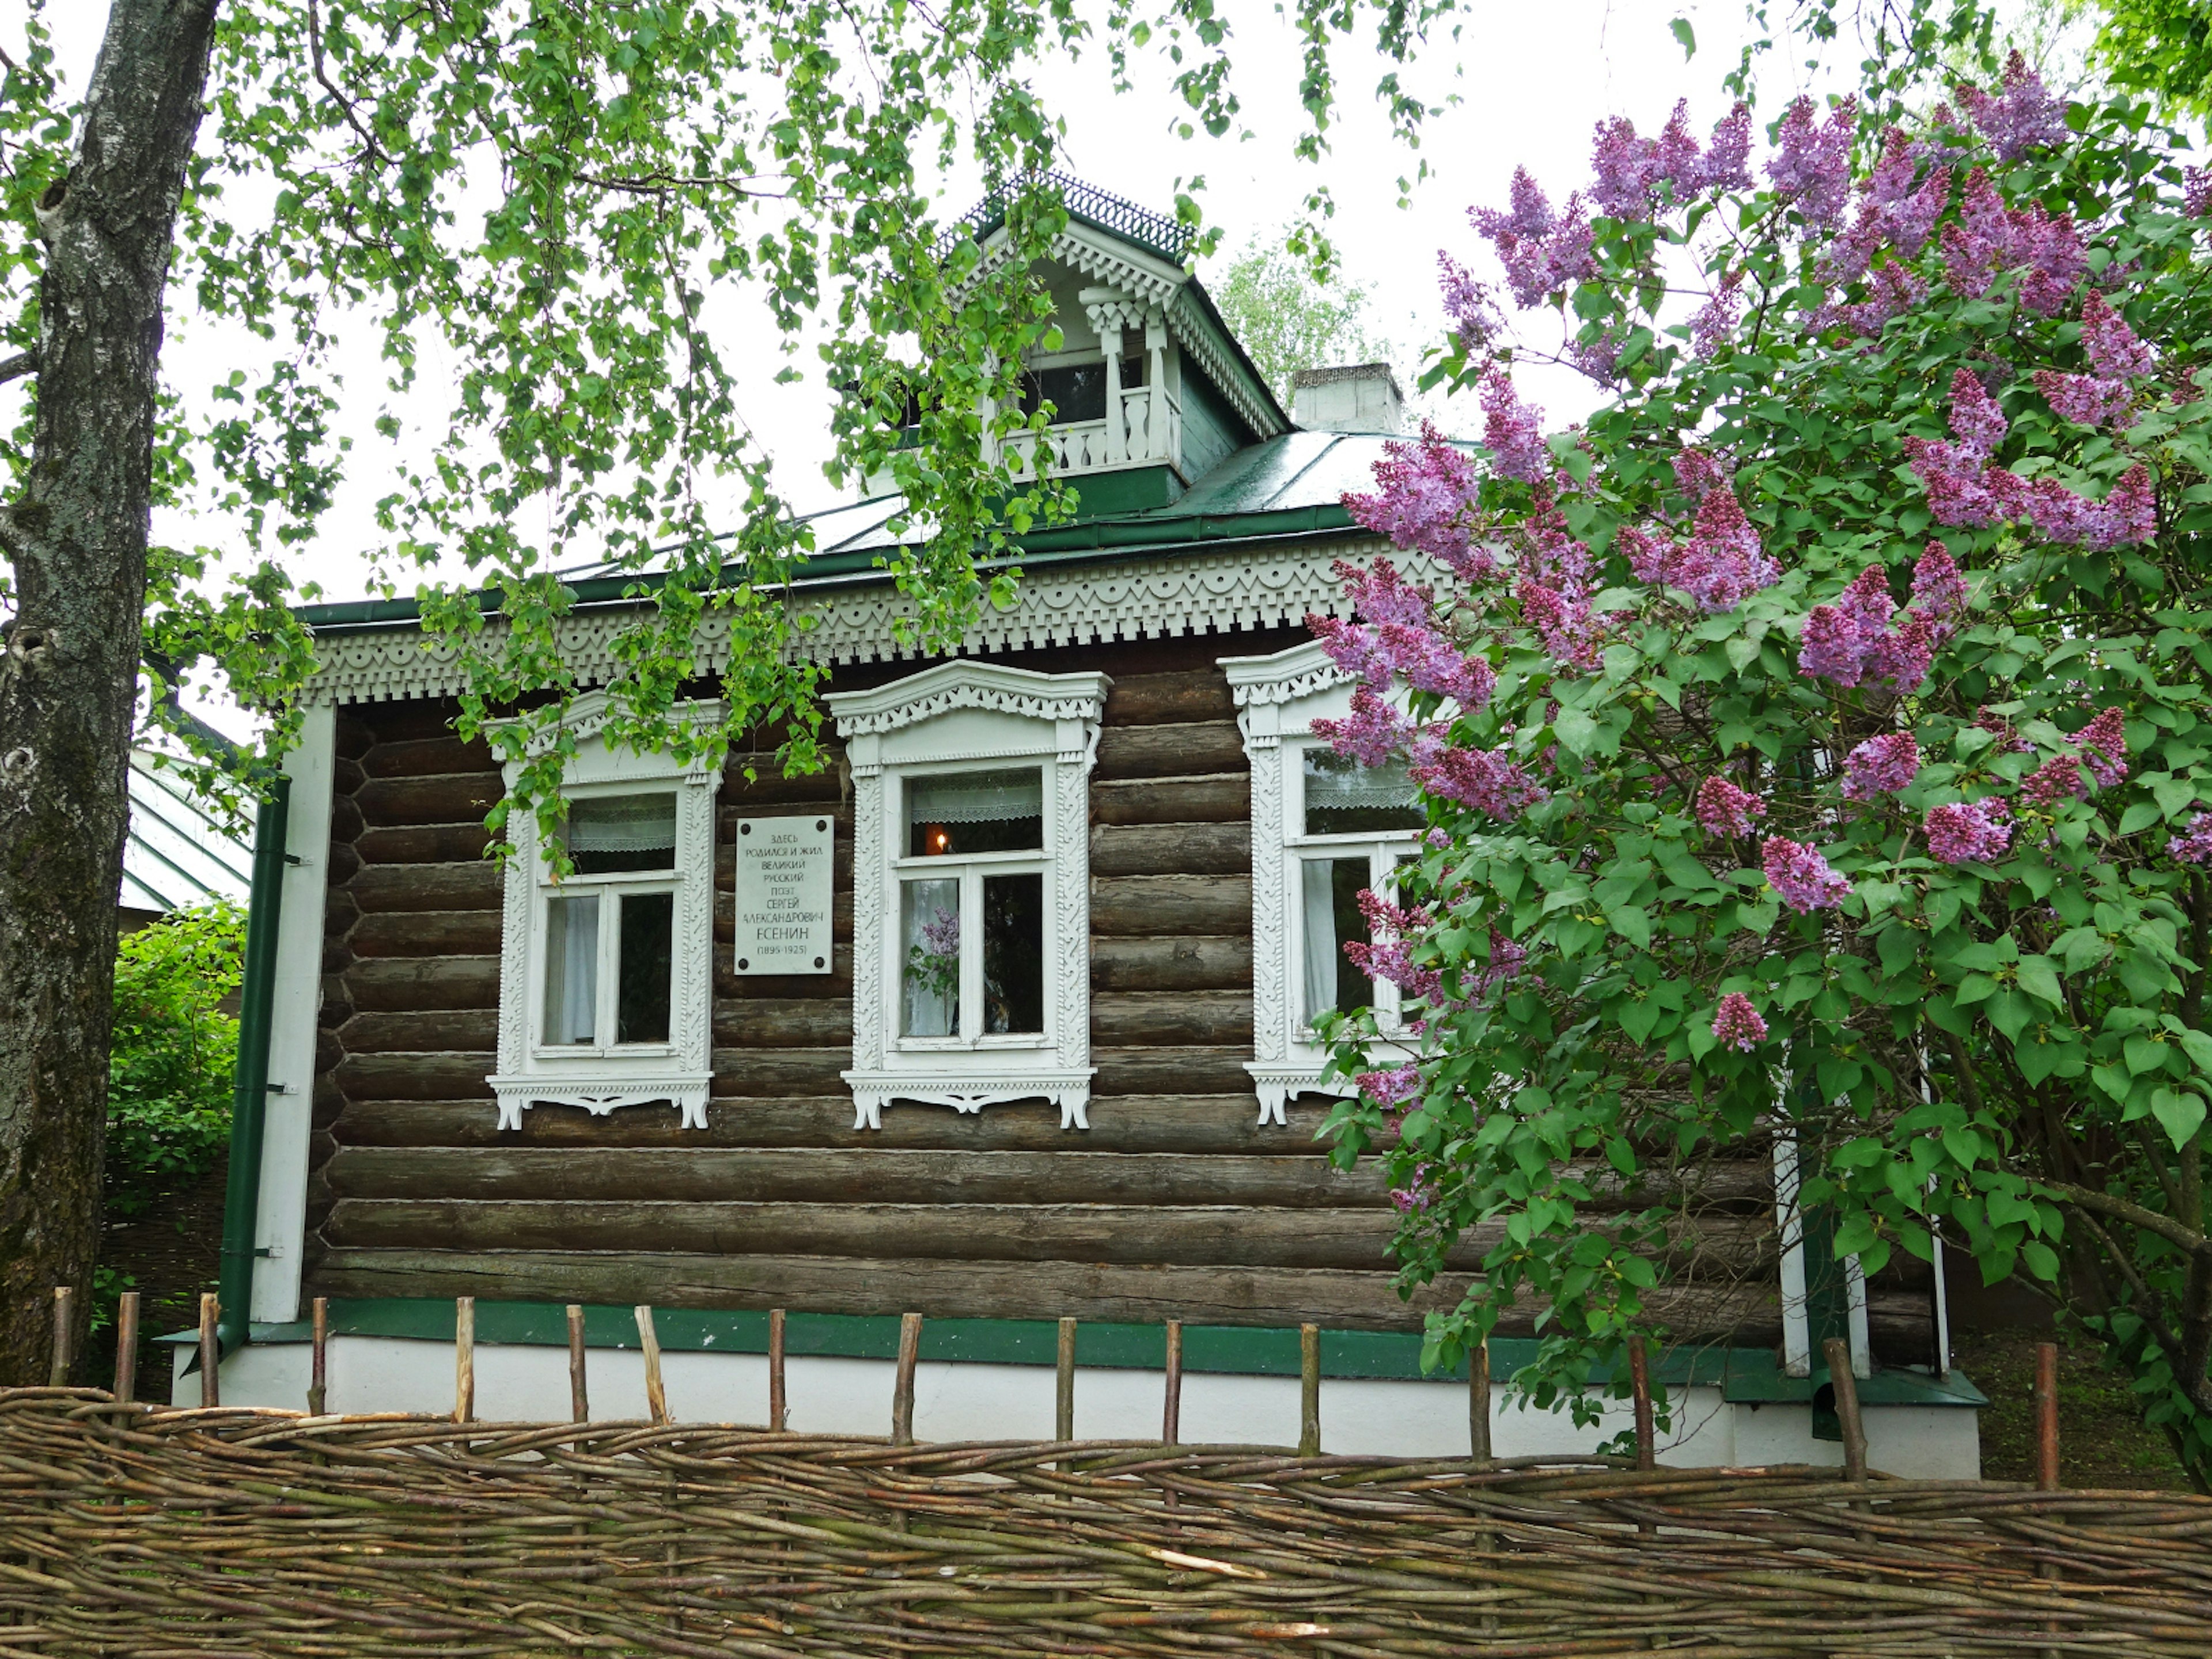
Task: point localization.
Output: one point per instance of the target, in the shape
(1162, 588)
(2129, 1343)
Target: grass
(2103, 1441)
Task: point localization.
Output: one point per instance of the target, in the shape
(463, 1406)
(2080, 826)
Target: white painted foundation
(967, 1402)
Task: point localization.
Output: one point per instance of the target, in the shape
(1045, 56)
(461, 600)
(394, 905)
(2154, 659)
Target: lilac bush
(1818, 741)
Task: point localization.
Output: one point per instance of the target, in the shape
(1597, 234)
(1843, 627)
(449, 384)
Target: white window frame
(1278, 697)
(601, 1078)
(965, 716)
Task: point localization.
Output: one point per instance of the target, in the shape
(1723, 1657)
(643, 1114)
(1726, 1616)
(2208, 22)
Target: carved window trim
(946, 717)
(1277, 699)
(678, 1071)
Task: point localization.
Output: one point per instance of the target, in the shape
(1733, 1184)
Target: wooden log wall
(1174, 1205)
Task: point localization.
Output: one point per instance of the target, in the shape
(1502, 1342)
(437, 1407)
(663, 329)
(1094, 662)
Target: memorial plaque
(785, 876)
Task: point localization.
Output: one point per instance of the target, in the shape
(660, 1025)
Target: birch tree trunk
(76, 539)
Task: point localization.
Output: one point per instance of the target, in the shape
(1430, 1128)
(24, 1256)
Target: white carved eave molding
(587, 716)
(953, 685)
(1160, 597)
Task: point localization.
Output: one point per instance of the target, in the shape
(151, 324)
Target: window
(1325, 830)
(1077, 392)
(971, 808)
(605, 970)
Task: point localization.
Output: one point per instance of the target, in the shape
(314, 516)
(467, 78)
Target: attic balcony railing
(1089, 446)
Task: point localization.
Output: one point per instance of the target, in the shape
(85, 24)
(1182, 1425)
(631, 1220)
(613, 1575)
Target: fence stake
(1639, 1380)
(64, 1327)
(1063, 1411)
(1838, 1354)
(579, 1398)
(779, 1404)
(1309, 1391)
(126, 1348)
(319, 1368)
(656, 1398)
(1477, 1402)
(902, 1385)
(465, 1359)
(1171, 1419)
(2046, 1417)
(210, 1352)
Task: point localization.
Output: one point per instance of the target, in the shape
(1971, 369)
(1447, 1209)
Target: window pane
(648, 932)
(1077, 392)
(1013, 954)
(1329, 919)
(975, 812)
(1344, 797)
(572, 968)
(929, 930)
(607, 833)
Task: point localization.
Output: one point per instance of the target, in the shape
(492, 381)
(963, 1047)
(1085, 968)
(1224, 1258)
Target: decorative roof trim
(995, 686)
(1162, 596)
(1286, 677)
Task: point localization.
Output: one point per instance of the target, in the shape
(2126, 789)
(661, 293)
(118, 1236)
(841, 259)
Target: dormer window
(1077, 392)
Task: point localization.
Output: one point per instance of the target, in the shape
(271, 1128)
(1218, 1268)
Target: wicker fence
(126, 1530)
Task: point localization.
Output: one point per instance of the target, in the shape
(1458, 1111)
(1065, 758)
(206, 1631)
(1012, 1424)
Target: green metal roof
(1289, 487)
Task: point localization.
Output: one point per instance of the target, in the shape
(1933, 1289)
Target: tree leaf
(2179, 1112)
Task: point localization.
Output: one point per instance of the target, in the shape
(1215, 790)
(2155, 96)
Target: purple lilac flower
(2058, 779)
(1418, 1193)
(1598, 359)
(1392, 959)
(2117, 357)
(2197, 192)
(1902, 656)
(1380, 594)
(1391, 1090)
(1487, 780)
(2009, 742)
(2113, 348)
(1857, 639)
(2104, 745)
(1939, 591)
(1722, 563)
(1730, 148)
(2021, 117)
(1736, 1023)
(1988, 237)
(1881, 766)
(1811, 164)
(1512, 431)
(1698, 473)
(1974, 833)
(1541, 250)
(1424, 502)
(1964, 490)
(1507, 959)
(1467, 305)
(1371, 734)
(1801, 876)
(1562, 621)
(2194, 844)
(1715, 321)
(1829, 647)
(940, 935)
(1725, 810)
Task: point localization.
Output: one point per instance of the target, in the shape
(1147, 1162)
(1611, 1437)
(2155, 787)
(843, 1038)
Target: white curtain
(975, 797)
(1322, 952)
(623, 823)
(572, 969)
(929, 953)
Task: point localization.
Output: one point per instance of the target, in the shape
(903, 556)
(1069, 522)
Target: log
(1340, 1299)
(417, 984)
(766, 1022)
(1172, 849)
(1218, 1235)
(1170, 907)
(417, 758)
(741, 1073)
(804, 1175)
(1195, 750)
(835, 986)
(426, 933)
(412, 719)
(450, 798)
(1157, 1071)
(416, 1030)
(433, 843)
(1178, 1124)
(1215, 963)
(772, 794)
(1133, 1018)
(388, 888)
(1225, 799)
(417, 1076)
(1195, 693)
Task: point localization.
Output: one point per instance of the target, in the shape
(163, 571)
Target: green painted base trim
(1749, 1376)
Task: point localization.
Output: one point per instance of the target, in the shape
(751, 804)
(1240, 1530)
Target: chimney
(1359, 398)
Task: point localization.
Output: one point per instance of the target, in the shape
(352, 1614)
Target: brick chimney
(1358, 398)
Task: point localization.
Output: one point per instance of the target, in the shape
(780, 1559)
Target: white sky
(1532, 82)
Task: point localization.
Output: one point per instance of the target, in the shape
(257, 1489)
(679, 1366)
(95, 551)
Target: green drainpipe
(249, 1100)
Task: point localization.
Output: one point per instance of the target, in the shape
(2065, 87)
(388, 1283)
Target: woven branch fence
(128, 1529)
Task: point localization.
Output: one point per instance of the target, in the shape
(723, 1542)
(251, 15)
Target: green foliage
(595, 215)
(170, 1070)
(2162, 47)
(1288, 321)
(2008, 1053)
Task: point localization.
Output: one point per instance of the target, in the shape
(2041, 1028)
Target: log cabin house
(1003, 1018)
